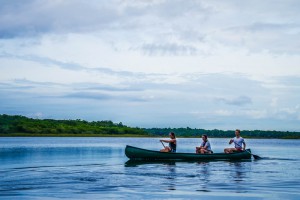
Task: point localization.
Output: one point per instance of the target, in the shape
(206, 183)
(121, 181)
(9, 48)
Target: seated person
(239, 143)
(172, 143)
(205, 146)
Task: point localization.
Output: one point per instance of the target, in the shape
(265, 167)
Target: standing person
(172, 143)
(239, 143)
(205, 146)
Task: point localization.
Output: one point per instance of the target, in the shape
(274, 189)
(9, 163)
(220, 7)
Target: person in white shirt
(205, 146)
(239, 143)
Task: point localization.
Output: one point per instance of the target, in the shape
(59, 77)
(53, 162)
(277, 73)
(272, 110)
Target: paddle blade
(256, 156)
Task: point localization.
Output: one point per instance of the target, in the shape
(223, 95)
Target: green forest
(16, 125)
(22, 126)
(215, 133)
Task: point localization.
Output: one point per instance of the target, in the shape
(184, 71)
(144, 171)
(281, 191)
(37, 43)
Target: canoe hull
(135, 153)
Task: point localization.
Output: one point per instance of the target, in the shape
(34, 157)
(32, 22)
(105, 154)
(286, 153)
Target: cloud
(48, 62)
(89, 95)
(168, 49)
(104, 97)
(258, 37)
(32, 18)
(148, 104)
(159, 28)
(111, 21)
(238, 101)
(287, 82)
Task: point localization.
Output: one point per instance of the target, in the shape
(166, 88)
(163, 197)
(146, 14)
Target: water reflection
(171, 175)
(135, 163)
(32, 155)
(238, 175)
(204, 176)
(163, 173)
(238, 172)
(199, 175)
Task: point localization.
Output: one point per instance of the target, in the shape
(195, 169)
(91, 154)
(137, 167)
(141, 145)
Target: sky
(153, 63)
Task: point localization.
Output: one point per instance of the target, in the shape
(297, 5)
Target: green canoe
(135, 153)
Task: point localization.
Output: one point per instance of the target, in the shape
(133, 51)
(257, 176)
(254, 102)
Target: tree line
(16, 125)
(189, 132)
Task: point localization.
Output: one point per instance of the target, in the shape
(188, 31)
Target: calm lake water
(96, 168)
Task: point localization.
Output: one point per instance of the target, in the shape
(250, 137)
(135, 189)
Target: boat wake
(272, 158)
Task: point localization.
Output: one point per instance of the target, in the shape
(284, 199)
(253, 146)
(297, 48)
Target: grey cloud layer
(237, 101)
(161, 27)
(189, 103)
(203, 99)
(44, 61)
(32, 17)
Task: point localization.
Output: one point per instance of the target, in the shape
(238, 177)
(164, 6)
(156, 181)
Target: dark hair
(238, 130)
(173, 134)
(205, 136)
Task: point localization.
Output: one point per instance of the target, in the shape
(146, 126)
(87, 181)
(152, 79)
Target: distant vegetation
(22, 126)
(189, 132)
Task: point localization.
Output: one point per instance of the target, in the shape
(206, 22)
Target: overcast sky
(153, 63)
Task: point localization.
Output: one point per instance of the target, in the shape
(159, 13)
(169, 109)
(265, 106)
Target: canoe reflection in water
(162, 171)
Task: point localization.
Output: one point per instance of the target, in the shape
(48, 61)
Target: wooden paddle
(254, 156)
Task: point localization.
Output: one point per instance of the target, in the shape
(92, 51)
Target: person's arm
(231, 141)
(244, 145)
(201, 146)
(167, 141)
(205, 146)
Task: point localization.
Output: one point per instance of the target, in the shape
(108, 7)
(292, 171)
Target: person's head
(204, 137)
(172, 135)
(237, 132)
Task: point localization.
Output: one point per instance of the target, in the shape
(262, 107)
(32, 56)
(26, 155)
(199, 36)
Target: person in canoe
(205, 146)
(239, 143)
(172, 143)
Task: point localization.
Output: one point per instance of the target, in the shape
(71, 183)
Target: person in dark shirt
(172, 143)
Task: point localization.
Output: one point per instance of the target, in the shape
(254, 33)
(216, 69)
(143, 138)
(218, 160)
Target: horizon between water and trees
(17, 125)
